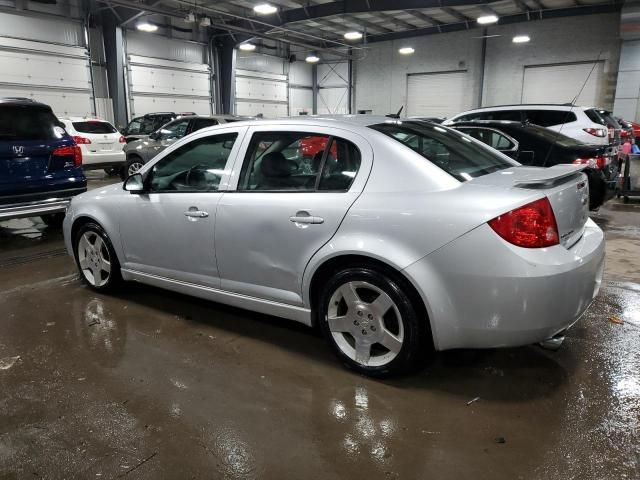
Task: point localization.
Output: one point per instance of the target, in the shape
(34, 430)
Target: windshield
(27, 123)
(455, 153)
(94, 126)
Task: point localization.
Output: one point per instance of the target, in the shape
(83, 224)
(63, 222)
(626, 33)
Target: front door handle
(193, 212)
(304, 217)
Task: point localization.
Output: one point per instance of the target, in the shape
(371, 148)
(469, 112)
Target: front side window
(197, 166)
(449, 150)
(297, 161)
(134, 126)
(175, 129)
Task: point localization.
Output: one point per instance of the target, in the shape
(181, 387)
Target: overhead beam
(424, 17)
(520, 17)
(456, 14)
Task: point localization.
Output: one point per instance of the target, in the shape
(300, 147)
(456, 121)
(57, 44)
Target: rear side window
(490, 137)
(27, 123)
(200, 123)
(94, 127)
(454, 153)
(297, 161)
(548, 118)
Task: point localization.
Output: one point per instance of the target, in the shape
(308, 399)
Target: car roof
(22, 101)
(534, 106)
(345, 121)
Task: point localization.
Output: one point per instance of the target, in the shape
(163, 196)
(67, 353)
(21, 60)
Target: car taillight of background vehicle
(81, 140)
(593, 162)
(122, 139)
(530, 226)
(596, 132)
(72, 151)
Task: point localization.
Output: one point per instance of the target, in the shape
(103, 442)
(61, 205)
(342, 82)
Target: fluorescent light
(406, 50)
(205, 22)
(353, 35)
(312, 58)
(247, 47)
(487, 19)
(190, 18)
(521, 39)
(146, 27)
(265, 9)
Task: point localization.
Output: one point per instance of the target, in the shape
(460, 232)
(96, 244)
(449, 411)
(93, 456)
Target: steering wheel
(193, 169)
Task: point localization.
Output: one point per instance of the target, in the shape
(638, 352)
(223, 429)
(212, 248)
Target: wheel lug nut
(364, 332)
(373, 328)
(359, 313)
(370, 317)
(356, 322)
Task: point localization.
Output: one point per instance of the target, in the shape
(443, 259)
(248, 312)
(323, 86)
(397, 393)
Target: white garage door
(55, 74)
(441, 94)
(561, 83)
(261, 93)
(333, 88)
(167, 75)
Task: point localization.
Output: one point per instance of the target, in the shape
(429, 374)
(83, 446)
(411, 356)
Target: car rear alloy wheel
(356, 318)
(96, 258)
(371, 322)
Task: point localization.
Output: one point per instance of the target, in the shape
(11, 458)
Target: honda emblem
(18, 150)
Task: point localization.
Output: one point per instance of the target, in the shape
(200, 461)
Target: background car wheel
(96, 258)
(53, 219)
(132, 166)
(372, 324)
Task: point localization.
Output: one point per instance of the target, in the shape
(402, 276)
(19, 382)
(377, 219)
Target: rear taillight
(122, 139)
(72, 151)
(593, 162)
(531, 226)
(81, 140)
(596, 132)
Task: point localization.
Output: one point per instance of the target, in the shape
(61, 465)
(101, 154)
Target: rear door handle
(300, 217)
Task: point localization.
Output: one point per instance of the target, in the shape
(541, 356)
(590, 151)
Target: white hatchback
(100, 142)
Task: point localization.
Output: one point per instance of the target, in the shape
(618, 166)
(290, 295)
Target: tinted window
(148, 126)
(548, 118)
(469, 117)
(490, 137)
(175, 129)
(199, 123)
(134, 126)
(296, 161)
(594, 116)
(195, 167)
(511, 115)
(451, 151)
(93, 127)
(27, 123)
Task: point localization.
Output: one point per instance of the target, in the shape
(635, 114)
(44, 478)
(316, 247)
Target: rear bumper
(102, 160)
(482, 292)
(40, 204)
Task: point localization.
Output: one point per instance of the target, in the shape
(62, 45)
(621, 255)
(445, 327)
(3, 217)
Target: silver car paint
(410, 215)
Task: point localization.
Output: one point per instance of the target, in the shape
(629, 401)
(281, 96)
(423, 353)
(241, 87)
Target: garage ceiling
(321, 24)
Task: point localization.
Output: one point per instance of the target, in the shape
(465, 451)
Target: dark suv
(140, 127)
(40, 164)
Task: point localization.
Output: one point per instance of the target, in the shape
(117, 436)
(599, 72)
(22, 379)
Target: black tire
(114, 277)
(53, 220)
(127, 170)
(416, 346)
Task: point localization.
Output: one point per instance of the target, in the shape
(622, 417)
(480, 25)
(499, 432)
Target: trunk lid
(565, 186)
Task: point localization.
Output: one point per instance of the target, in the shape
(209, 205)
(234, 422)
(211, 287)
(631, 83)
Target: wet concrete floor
(150, 384)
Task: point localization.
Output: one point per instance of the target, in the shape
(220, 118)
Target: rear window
(453, 152)
(594, 116)
(548, 118)
(94, 127)
(27, 123)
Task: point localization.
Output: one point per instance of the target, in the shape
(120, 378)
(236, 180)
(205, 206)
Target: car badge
(18, 150)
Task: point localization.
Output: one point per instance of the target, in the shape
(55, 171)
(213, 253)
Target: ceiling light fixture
(487, 19)
(353, 35)
(190, 18)
(521, 39)
(312, 58)
(406, 50)
(145, 26)
(265, 9)
(247, 47)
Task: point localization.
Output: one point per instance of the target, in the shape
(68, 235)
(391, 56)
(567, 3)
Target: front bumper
(482, 292)
(40, 204)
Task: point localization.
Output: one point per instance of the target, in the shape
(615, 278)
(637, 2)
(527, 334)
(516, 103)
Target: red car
(311, 146)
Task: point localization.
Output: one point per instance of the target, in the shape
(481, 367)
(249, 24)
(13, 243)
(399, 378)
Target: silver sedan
(395, 238)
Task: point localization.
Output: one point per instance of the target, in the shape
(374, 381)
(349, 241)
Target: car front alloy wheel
(96, 258)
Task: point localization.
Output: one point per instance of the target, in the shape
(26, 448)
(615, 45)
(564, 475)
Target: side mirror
(154, 135)
(134, 184)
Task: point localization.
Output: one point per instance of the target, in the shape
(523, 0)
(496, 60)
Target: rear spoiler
(547, 177)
